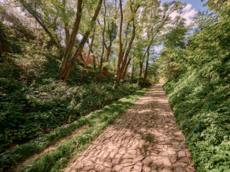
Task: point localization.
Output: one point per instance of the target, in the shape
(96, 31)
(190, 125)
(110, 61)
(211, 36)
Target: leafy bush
(210, 146)
(37, 109)
(98, 120)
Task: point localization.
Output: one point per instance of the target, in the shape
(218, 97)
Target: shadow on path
(139, 141)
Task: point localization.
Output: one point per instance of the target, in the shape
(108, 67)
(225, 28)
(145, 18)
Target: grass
(22, 151)
(149, 138)
(98, 120)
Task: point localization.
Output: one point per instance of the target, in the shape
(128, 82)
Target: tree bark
(108, 51)
(72, 40)
(66, 24)
(103, 40)
(132, 70)
(81, 45)
(146, 70)
(126, 68)
(122, 61)
(120, 47)
(140, 74)
(128, 50)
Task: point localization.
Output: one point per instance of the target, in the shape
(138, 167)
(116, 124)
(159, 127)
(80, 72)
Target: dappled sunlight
(143, 138)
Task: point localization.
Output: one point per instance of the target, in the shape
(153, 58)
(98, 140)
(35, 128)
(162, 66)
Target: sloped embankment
(210, 145)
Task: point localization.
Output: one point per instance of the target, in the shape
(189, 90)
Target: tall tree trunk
(120, 47)
(108, 51)
(88, 55)
(140, 74)
(126, 68)
(132, 69)
(122, 61)
(66, 24)
(103, 40)
(146, 70)
(72, 40)
(128, 49)
(66, 35)
(81, 45)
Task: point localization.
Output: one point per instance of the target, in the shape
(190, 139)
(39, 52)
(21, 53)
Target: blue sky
(197, 4)
(193, 6)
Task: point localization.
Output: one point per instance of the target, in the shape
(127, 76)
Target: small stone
(167, 163)
(185, 160)
(122, 151)
(167, 169)
(106, 164)
(181, 154)
(147, 161)
(115, 161)
(125, 169)
(127, 164)
(112, 154)
(118, 156)
(188, 154)
(87, 168)
(146, 169)
(128, 156)
(105, 155)
(99, 161)
(99, 167)
(79, 165)
(137, 168)
(132, 152)
(164, 153)
(179, 169)
(117, 168)
(126, 161)
(179, 164)
(173, 158)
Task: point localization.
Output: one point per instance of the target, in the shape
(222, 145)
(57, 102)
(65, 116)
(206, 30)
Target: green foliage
(56, 159)
(37, 109)
(204, 75)
(210, 145)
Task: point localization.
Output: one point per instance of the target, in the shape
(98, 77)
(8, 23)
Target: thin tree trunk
(108, 51)
(81, 45)
(128, 50)
(120, 46)
(72, 40)
(126, 68)
(103, 50)
(146, 70)
(66, 24)
(120, 68)
(88, 56)
(132, 69)
(140, 74)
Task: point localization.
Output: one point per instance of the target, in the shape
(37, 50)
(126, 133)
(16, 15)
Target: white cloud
(188, 13)
(188, 7)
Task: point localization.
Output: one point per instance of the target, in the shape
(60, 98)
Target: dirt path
(139, 141)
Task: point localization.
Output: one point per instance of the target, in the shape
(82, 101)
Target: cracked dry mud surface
(143, 138)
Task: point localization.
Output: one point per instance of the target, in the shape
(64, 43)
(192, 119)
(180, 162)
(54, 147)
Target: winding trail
(143, 138)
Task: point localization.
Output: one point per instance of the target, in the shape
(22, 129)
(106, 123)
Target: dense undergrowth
(57, 159)
(32, 111)
(210, 145)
